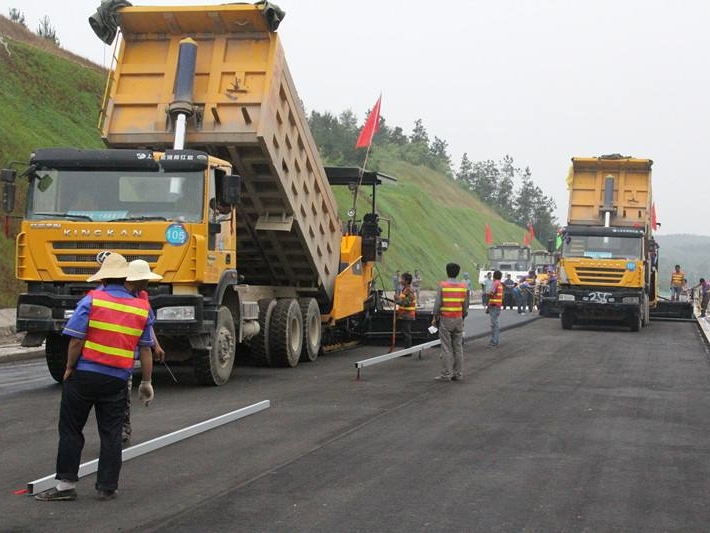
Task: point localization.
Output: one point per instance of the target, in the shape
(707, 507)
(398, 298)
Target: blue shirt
(78, 325)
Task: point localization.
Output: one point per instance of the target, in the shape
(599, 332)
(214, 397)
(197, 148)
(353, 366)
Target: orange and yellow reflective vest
(115, 327)
(495, 297)
(677, 278)
(409, 310)
(453, 296)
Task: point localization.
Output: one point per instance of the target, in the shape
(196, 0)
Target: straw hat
(138, 269)
(113, 266)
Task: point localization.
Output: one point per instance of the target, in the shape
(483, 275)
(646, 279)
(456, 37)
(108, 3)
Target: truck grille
(78, 258)
(600, 276)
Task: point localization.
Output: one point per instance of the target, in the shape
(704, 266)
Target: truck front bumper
(593, 303)
(43, 313)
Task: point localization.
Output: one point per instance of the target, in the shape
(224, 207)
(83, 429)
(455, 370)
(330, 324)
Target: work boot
(56, 495)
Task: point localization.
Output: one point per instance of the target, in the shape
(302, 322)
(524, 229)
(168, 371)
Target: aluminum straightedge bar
(42, 484)
(394, 355)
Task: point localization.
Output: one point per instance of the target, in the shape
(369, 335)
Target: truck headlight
(562, 275)
(185, 312)
(565, 297)
(33, 311)
(630, 300)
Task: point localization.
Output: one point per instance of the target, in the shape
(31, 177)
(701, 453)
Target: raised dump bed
(245, 110)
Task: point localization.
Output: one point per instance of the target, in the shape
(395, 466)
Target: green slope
(433, 221)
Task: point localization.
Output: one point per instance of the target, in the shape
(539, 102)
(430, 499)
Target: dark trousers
(405, 327)
(107, 395)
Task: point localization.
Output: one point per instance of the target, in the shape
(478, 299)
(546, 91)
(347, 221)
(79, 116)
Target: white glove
(145, 392)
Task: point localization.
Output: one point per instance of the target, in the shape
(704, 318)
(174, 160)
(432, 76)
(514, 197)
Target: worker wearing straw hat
(107, 326)
(139, 274)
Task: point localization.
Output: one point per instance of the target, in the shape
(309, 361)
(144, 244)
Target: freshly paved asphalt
(594, 429)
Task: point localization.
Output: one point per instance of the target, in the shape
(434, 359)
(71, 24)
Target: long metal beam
(42, 484)
(399, 353)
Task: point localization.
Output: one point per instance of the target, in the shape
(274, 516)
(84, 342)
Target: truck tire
(286, 333)
(259, 345)
(55, 351)
(214, 366)
(567, 319)
(311, 329)
(635, 322)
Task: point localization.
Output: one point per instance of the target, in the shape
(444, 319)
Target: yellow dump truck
(608, 265)
(211, 175)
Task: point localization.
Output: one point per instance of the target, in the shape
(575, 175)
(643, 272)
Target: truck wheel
(286, 333)
(635, 322)
(259, 345)
(311, 329)
(55, 350)
(567, 319)
(214, 366)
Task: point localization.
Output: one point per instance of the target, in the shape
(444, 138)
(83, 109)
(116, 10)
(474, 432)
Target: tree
(46, 31)
(505, 191)
(17, 16)
(465, 172)
(419, 134)
(398, 137)
(485, 181)
(440, 156)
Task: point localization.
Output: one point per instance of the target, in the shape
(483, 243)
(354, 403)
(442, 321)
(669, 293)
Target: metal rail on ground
(47, 482)
(419, 348)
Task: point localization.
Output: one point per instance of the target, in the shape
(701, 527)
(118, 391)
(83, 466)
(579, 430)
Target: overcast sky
(540, 80)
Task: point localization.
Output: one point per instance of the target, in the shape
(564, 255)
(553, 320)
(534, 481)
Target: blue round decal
(176, 234)
(631, 266)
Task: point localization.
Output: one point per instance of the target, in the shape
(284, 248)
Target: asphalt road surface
(594, 429)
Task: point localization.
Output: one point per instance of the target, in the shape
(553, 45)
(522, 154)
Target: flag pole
(369, 129)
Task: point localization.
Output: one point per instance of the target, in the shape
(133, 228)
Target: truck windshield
(116, 195)
(509, 254)
(597, 247)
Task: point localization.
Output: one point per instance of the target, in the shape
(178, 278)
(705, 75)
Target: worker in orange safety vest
(406, 302)
(450, 310)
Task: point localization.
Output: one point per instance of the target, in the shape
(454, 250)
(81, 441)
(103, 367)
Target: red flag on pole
(489, 234)
(370, 127)
(526, 239)
(532, 232)
(654, 220)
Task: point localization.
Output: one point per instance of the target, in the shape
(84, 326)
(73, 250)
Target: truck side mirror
(8, 197)
(231, 189)
(7, 176)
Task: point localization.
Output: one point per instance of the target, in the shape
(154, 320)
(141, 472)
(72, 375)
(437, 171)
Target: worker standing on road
(450, 310)
(105, 329)
(509, 298)
(139, 275)
(531, 282)
(677, 277)
(406, 302)
(417, 283)
(396, 281)
(495, 303)
(469, 285)
(704, 295)
(487, 282)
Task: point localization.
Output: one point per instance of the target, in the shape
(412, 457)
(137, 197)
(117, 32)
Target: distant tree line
(494, 183)
(44, 30)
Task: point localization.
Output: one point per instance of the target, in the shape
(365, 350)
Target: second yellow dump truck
(608, 265)
(212, 176)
